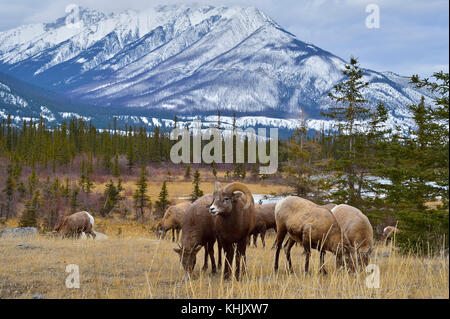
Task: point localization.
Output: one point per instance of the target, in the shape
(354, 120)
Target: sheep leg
(262, 235)
(279, 241)
(255, 237)
(178, 234)
(173, 235)
(307, 256)
(219, 248)
(274, 244)
(240, 252)
(287, 249)
(211, 256)
(205, 264)
(229, 254)
(322, 260)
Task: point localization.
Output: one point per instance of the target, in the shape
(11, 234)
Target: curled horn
(240, 187)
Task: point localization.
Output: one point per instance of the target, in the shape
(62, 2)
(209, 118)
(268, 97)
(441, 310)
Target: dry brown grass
(135, 264)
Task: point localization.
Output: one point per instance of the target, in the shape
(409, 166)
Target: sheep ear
(217, 187)
(177, 250)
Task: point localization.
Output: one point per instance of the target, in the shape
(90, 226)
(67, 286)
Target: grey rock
(15, 232)
(26, 246)
(99, 236)
(38, 296)
(385, 254)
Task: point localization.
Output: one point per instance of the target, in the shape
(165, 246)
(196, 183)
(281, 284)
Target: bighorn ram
(198, 231)
(235, 219)
(388, 232)
(310, 225)
(264, 220)
(73, 225)
(357, 233)
(172, 219)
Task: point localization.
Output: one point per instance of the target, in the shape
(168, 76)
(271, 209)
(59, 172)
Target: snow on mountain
(188, 59)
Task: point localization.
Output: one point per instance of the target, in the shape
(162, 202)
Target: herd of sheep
(230, 217)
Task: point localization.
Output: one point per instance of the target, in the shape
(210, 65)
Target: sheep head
(225, 198)
(188, 257)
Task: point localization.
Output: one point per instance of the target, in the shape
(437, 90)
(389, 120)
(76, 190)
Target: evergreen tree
(187, 172)
(141, 199)
(111, 197)
(213, 164)
(116, 167)
(9, 191)
(74, 200)
(163, 201)
(197, 193)
(33, 181)
(351, 110)
(29, 217)
(425, 172)
(131, 158)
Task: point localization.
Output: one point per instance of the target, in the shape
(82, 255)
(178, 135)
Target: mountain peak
(188, 59)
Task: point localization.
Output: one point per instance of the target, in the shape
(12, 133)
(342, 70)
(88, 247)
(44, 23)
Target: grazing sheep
(308, 224)
(75, 224)
(172, 219)
(388, 232)
(198, 231)
(357, 233)
(328, 206)
(235, 219)
(264, 220)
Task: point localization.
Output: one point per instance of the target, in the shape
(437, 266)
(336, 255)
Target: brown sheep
(308, 224)
(264, 220)
(235, 219)
(172, 219)
(357, 233)
(388, 232)
(328, 206)
(198, 231)
(75, 224)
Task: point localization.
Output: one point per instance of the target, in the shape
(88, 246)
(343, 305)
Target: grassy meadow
(133, 263)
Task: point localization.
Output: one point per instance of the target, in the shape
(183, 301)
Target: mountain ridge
(188, 60)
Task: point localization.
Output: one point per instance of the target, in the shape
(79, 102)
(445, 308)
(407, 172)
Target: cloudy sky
(412, 37)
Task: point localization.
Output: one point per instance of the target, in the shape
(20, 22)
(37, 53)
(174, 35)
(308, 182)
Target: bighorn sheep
(197, 232)
(73, 225)
(357, 233)
(328, 206)
(172, 219)
(310, 225)
(388, 232)
(264, 220)
(235, 219)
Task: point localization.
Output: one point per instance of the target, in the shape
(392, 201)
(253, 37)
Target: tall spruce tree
(141, 199)
(9, 191)
(163, 199)
(197, 192)
(349, 112)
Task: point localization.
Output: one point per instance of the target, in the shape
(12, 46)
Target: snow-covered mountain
(187, 60)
